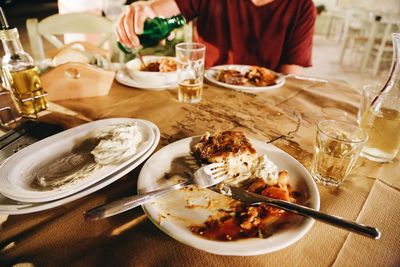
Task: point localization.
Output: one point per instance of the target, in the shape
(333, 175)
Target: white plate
(123, 78)
(171, 214)
(153, 78)
(11, 207)
(210, 75)
(16, 171)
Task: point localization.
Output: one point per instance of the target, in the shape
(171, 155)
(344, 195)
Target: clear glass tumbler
(338, 145)
(190, 58)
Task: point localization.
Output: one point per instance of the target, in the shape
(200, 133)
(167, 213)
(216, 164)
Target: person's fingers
(122, 37)
(129, 26)
(139, 20)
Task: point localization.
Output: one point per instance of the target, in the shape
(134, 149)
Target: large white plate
(124, 78)
(10, 207)
(172, 214)
(211, 73)
(16, 172)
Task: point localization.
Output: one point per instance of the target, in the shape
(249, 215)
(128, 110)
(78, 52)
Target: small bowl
(150, 78)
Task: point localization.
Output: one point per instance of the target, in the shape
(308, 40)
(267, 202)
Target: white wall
(384, 6)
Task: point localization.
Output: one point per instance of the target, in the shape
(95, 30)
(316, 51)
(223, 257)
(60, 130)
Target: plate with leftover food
(72, 160)
(208, 220)
(245, 78)
(12, 207)
(159, 72)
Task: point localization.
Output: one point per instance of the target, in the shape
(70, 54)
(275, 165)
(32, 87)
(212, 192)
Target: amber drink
(21, 74)
(338, 145)
(381, 119)
(383, 128)
(190, 91)
(190, 59)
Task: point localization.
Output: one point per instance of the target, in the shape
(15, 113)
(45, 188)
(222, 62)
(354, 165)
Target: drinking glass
(338, 145)
(369, 92)
(382, 123)
(190, 61)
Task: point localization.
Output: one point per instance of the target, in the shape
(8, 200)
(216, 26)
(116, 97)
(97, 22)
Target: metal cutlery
(206, 176)
(252, 199)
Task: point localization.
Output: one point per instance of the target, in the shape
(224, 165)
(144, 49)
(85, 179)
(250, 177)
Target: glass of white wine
(338, 145)
(190, 59)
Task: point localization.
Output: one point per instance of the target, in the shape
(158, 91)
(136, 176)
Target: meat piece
(233, 77)
(260, 76)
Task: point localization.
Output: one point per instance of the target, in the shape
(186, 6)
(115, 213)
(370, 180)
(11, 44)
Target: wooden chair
(383, 51)
(86, 23)
(356, 31)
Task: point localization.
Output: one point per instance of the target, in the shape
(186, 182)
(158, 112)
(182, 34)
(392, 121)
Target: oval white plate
(171, 214)
(11, 207)
(211, 72)
(123, 78)
(16, 171)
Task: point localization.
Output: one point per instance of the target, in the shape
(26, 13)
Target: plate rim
(27, 208)
(247, 89)
(62, 193)
(308, 222)
(127, 80)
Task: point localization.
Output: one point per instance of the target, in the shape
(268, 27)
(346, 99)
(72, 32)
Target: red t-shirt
(238, 32)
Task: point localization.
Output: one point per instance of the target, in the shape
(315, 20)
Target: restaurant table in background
(287, 117)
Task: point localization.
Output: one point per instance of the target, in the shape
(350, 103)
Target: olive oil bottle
(21, 72)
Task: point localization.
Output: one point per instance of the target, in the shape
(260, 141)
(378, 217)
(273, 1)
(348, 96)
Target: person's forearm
(166, 8)
(290, 69)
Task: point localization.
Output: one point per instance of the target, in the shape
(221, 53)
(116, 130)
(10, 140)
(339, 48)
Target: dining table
(285, 117)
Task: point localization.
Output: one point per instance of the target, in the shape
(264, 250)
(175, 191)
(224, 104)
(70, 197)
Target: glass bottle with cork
(21, 72)
(155, 30)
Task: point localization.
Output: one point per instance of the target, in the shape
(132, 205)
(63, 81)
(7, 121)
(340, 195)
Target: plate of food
(208, 220)
(12, 207)
(159, 72)
(252, 79)
(75, 159)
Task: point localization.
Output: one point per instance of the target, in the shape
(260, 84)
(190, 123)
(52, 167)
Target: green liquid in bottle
(155, 30)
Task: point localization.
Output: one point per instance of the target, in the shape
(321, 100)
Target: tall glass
(190, 58)
(338, 145)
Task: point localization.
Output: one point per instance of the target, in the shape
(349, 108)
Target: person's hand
(131, 23)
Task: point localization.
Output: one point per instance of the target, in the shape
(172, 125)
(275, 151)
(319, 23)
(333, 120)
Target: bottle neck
(10, 40)
(176, 21)
(393, 83)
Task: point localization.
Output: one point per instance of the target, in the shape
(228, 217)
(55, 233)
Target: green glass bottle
(155, 30)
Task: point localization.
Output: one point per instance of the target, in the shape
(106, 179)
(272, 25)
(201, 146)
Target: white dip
(117, 143)
(266, 169)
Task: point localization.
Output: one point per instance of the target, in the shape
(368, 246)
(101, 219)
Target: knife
(250, 198)
(306, 78)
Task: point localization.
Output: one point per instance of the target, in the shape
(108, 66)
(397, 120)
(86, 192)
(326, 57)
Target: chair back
(59, 24)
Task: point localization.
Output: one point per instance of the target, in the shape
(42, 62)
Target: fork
(205, 176)
(250, 198)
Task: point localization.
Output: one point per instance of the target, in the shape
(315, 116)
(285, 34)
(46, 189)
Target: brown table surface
(286, 116)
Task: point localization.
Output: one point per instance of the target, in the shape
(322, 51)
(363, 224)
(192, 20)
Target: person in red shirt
(276, 34)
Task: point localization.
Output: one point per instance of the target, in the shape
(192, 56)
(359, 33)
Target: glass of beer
(338, 145)
(382, 123)
(190, 58)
